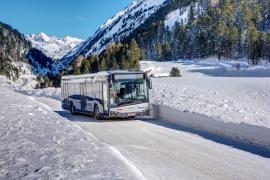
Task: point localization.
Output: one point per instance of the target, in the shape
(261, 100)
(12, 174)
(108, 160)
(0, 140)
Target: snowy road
(37, 143)
(163, 153)
(227, 103)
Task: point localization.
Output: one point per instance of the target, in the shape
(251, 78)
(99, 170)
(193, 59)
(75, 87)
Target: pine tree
(95, 64)
(142, 55)
(159, 51)
(85, 68)
(234, 40)
(167, 52)
(266, 46)
(134, 55)
(175, 72)
(47, 82)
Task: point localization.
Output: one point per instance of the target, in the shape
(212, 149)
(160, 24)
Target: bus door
(83, 97)
(89, 97)
(105, 95)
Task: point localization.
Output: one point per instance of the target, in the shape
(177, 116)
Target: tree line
(230, 29)
(118, 56)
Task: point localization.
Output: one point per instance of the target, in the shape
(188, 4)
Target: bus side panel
(105, 97)
(76, 100)
(89, 95)
(64, 96)
(83, 97)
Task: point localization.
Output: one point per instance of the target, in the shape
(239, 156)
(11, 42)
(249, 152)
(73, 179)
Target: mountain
(52, 46)
(116, 28)
(178, 29)
(13, 48)
(165, 30)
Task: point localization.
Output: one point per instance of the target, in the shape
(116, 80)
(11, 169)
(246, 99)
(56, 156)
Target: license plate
(131, 114)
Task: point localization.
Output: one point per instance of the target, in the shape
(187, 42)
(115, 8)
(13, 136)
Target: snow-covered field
(37, 143)
(215, 89)
(39, 140)
(231, 91)
(144, 143)
(227, 98)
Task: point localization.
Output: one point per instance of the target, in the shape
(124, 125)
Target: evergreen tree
(167, 52)
(142, 55)
(95, 64)
(85, 68)
(159, 51)
(134, 55)
(175, 72)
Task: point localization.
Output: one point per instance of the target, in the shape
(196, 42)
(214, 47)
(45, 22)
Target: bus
(109, 94)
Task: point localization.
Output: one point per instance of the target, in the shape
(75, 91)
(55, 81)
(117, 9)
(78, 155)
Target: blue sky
(79, 18)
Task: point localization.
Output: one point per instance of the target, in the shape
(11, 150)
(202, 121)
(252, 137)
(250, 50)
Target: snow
(221, 96)
(37, 143)
(227, 91)
(160, 152)
(180, 16)
(143, 145)
(215, 89)
(116, 28)
(52, 46)
(177, 16)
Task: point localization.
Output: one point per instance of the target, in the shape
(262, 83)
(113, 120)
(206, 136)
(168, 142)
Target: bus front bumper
(114, 114)
(130, 111)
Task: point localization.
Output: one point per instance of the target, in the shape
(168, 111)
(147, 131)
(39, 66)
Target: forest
(231, 29)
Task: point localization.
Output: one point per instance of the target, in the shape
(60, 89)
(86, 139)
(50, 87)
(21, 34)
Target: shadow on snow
(254, 149)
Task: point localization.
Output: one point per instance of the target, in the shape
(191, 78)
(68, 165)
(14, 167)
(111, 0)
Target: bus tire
(72, 108)
(96, 112)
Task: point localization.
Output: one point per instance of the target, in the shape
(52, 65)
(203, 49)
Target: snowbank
(156, 69)
(54, 93)
(248, 134)
(36, 143)
(236, 93)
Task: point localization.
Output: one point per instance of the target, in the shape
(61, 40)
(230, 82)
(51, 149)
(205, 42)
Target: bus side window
(71, 89)
(100, 91)
(66, 90)
(89, 90)
(94, 90)
(77, 89)
(63, 90)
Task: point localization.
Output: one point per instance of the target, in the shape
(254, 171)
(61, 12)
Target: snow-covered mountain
(52, 46)
(180, 15)
(13, 47)
(116, 28)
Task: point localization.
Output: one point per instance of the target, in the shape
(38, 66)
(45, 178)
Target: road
(160, 152)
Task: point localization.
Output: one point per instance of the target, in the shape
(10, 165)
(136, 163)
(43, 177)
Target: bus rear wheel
(72, 108)
(96, 113)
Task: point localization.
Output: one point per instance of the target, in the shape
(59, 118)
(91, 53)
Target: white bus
(107, 94)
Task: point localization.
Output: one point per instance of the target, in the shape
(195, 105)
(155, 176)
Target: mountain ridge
(13, 48)
(116, 28)
(52, 46)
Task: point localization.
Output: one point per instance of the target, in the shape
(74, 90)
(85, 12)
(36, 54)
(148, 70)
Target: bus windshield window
(128, 92)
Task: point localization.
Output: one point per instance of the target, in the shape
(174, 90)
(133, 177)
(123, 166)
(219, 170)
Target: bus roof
(101, 74)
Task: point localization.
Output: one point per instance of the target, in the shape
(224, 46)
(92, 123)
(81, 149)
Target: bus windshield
(129, 92)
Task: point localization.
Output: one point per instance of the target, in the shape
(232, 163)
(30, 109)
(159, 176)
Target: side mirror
(110, 84)
(149, 82)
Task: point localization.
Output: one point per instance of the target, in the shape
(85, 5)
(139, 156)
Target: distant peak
(69, 38)
(42, 34)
